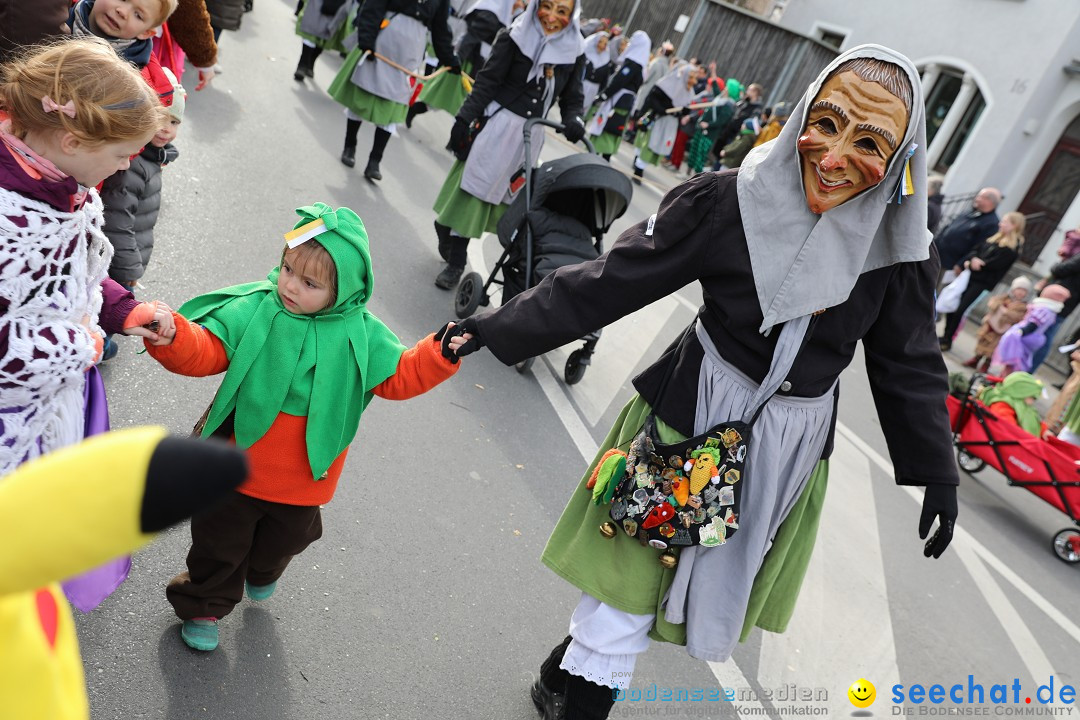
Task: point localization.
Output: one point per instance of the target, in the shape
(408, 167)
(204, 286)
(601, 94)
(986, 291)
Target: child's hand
(463, 340)
(152, 321)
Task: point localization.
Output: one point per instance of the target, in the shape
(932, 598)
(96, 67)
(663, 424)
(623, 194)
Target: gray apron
(662, 135)
(711, 588)
(403, 41)
(498, 152)
(322, 26)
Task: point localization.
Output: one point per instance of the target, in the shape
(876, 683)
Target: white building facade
(1001, 81)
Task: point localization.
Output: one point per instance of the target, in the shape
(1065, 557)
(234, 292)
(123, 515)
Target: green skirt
(446, 92)
(606, 143)
(465, 214)
(641, 142)
(374, 109)
(336, 43)
(628, 576)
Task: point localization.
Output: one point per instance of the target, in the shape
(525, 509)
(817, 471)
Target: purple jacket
(117, 302)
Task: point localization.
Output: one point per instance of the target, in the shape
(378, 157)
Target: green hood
(321, 366)
(1014, 390)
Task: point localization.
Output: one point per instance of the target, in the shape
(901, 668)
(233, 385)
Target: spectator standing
(970, 229)
(988, 264)
(749, 106)
(1067, 274)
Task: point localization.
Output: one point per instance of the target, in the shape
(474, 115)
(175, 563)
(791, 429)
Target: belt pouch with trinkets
(689, 492)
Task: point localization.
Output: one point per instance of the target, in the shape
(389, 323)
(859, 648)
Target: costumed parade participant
(783, 314)
(537, 62)
(71, 115)
(598, 67)
(70, 511)
(302, 357)
(674, 91)
(712, 121)
(322, 25)
(374, 90)
(616, 100)
(483, 22)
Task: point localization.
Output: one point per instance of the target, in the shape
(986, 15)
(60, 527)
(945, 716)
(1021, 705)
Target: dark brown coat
(25, 22)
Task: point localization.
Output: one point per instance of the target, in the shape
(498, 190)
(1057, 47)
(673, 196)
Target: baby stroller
(1048, 468)
(560, 219)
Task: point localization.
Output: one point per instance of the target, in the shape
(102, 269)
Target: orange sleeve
(420, 368)
(1005, 411)
(194, 351)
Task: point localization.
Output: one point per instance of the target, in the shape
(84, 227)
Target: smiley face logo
(862, 693)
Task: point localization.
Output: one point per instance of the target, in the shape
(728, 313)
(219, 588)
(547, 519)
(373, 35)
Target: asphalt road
(431, 602)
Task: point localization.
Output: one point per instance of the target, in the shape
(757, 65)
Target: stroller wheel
(469, 295)
(1066, 545)
(525, 365)
(969, 463)
(575, 368)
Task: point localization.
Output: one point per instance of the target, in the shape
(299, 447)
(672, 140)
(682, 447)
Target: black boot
(638, 174)
(371, 172)
(306, 67)
(549, 689)
(348, 155)
(449, 277)
(417, 108)
(443, 232)
(585, 700)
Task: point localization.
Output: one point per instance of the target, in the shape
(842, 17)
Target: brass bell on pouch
(669, 560)
(607, 530)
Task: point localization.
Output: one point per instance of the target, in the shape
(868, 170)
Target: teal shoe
(258, 593)
(200, 634)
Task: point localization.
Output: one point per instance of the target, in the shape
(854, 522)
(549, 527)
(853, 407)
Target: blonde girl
(988, 264)
(71, 114)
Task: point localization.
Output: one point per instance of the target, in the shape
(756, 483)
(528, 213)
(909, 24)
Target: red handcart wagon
(1048, 467)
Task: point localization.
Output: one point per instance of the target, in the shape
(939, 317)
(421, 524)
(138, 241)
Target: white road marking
(843, 598)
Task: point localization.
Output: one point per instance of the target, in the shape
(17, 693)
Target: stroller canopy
(582, 186)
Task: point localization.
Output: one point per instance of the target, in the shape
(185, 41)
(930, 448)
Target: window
(941, 100)
(832, 39)
(960, 136)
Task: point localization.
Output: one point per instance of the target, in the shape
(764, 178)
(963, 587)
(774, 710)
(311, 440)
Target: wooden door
(1053, 191)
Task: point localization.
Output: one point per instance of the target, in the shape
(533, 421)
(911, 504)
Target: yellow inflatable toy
(73, 510)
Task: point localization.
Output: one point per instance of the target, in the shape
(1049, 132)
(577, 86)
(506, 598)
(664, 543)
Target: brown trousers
(241, 539)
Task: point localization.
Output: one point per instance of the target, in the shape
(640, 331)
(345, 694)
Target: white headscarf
(594, 56)
(502, 9)
(638, 49)
(674, 85)
(562, 48)
(803, 262)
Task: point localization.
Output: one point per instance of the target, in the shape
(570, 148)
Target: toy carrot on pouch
(302, 357)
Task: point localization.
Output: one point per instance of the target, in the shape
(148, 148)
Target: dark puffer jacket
(132, 199)
(226, 14)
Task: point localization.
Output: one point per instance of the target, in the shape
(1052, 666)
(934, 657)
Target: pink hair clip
(49, 105)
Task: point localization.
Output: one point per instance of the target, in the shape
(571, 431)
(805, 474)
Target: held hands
(153, 321)
(939, 501)
(573, 129)
(977, 264)
(455, 66)
(461, 339)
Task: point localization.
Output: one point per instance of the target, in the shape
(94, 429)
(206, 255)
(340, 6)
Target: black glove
(459, 139)
(454, 65)
(186, 476)
(939, 501)
(443, 338)
(574, 129)
(468, 325)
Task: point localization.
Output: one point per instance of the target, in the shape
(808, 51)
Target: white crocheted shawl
(50, 278)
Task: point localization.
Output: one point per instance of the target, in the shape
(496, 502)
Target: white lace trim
(50, 278)
(597, 667)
